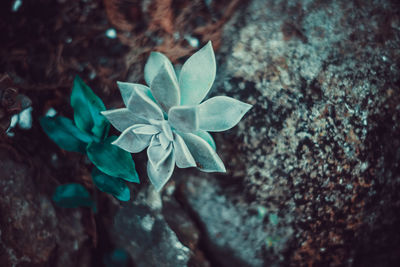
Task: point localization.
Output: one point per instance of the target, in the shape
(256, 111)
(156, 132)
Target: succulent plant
(168, 118)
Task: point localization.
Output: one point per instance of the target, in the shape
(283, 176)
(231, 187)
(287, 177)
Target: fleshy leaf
(221, 113)
(166, 129)
(197, 75)
(160, 174)
(65, 134)
(132, 142)
(165, 88)
(153, 64)
(111, 185)
(184, 158)
(87, 107)
(144, 107)
(164, 141)
(72, 196)
(184, 118)
(207, 137)
(146, 129)
(122, 118)
(157, 154)
(205, 156)
(129, 89)
(112, 160)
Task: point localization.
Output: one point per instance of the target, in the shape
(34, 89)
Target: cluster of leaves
(88, 134)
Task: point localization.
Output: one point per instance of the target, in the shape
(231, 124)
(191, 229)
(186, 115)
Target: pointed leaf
(160, 174)
(157, 154)
(144, 107)
(197, 75)
(205, 156)
(122, 118)
(133, 142)
(87, 107)
(112, 160)
(65, 134)
(165, 88)
(184, 158)
(146, 129)
(221, 113)
(129, 89)
(167, 131)
(207, 137)
(164, 141)
(111, 185)
(72, 196)
(184, 118)
(153, 64)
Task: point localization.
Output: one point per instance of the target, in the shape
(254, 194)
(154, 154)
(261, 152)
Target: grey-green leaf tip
(168, 118)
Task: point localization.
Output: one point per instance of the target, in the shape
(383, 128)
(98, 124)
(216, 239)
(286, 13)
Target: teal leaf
(87, 107)
(165, 88)
(153, 64)
(122, 118)
(205, 156)
(160, 165)
(197, 76)
(65, 134)
(112, 160)
(72, 196)
(207, 137)
(221, 113)
(111, 185)
(184, 118)
(144, 107)
(128, 90)
(184, 158)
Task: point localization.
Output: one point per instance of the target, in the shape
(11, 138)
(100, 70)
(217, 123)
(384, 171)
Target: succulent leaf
(122, 118)
(207, 137)
(160, 167)
(221, 113)
(144, 107)
(205, 156)
(184, 118)
(129, 89)
(133, 142)
(153, 64)
(197, 75)
(184, 158)
(165, 88)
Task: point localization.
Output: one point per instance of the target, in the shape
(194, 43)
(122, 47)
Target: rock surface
(236, 234)
(320, 148)
(141, 229)
(32, 231)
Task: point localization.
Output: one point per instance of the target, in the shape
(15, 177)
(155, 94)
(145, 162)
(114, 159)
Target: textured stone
(140, 228)
(237, 235)
(320, 148)
(32, 232)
